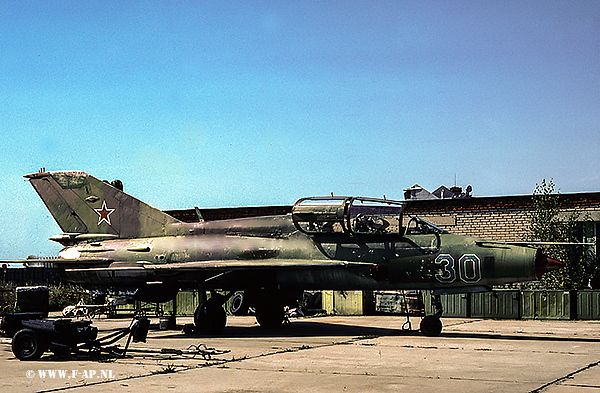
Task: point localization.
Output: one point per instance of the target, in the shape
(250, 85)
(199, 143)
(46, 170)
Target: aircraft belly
(104, 276)
(347, 279)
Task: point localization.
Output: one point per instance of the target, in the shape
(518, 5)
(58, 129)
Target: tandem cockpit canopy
(348, 215)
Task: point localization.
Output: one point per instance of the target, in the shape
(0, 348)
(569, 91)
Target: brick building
(505, 218)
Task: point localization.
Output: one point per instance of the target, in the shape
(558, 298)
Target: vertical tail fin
(80, 203)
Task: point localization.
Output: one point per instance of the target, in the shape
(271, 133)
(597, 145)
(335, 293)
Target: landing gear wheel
(270, 315)
(238, 304)
(210, 318)
(431, 326)
(28, 345)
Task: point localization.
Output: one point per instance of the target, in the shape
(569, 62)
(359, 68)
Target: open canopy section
(349, 215)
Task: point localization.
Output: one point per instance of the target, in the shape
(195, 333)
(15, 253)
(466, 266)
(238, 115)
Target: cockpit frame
(357, 216)
(348, 215)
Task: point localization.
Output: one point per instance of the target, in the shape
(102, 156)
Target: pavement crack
(566, 377)
(581, 385)
(213, 363)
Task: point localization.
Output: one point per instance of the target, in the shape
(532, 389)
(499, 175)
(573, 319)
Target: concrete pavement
(335, 354)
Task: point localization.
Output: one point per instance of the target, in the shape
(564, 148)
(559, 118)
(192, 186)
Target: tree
(549, 223)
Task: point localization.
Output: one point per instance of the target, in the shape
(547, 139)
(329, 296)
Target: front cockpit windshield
(418, 226)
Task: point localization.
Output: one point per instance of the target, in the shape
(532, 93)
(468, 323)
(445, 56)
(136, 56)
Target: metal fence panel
(186, 303)
(546, 304)
(454, 305)
(497, 304)
(30, 276)
(348, 302)
(399, 302)
(328, 302)
(390, 302)
(588, 304)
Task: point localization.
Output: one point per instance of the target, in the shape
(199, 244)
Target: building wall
(496, 218)
(502, 225)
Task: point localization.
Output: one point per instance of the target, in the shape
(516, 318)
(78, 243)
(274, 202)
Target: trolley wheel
(28, 345)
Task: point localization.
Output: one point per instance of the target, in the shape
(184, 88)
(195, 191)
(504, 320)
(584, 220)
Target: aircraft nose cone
(545, 264)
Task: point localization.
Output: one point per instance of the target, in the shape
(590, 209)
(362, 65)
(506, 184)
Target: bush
(60, 296)
(7, 297)
(550, 223)
(64, 295)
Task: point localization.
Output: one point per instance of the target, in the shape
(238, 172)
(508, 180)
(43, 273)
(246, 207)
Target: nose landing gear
(431, 325)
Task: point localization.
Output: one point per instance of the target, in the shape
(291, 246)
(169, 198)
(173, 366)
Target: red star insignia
(104, 213)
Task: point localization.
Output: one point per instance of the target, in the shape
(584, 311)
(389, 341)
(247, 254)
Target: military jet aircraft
(114, 240)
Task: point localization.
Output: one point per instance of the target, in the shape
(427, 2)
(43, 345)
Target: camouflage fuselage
(271, 252)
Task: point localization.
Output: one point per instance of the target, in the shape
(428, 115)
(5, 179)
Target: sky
(231, 103)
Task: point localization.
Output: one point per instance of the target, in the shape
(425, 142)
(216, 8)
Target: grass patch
(168, 369)
(367, 337)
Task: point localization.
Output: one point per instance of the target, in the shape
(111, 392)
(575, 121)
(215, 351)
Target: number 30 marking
(469, 268)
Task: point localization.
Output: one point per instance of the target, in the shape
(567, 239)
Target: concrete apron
(332, 354)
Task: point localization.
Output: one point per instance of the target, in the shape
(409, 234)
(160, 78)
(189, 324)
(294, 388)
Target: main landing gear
(270, 314)
(431, 325)
(210, 317)
(270, 305)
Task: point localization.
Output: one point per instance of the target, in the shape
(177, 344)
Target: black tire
(210, 318)
(270, 315)
(28, 345)
(431, 326)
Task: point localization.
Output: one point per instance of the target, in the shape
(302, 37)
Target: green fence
(512, 304)
(499, 304)
(455, 305)
(185, 302)
(503, 304)
(588, 304)
(548, 305)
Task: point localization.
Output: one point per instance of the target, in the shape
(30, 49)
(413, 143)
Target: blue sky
(231, 103)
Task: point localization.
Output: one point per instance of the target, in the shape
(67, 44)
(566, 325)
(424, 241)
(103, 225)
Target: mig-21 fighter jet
(113, 240)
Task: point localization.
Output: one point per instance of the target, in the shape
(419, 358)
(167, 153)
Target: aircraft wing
(38, 261)
(256, 264)
(194, 265)
(533, 243)
(227, 273)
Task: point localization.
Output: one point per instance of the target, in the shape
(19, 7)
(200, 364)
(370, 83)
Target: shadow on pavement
(307, 328)
(298, 329)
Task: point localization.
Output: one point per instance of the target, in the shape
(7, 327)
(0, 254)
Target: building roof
(443, 192)
(500, 202)
(417, 192)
